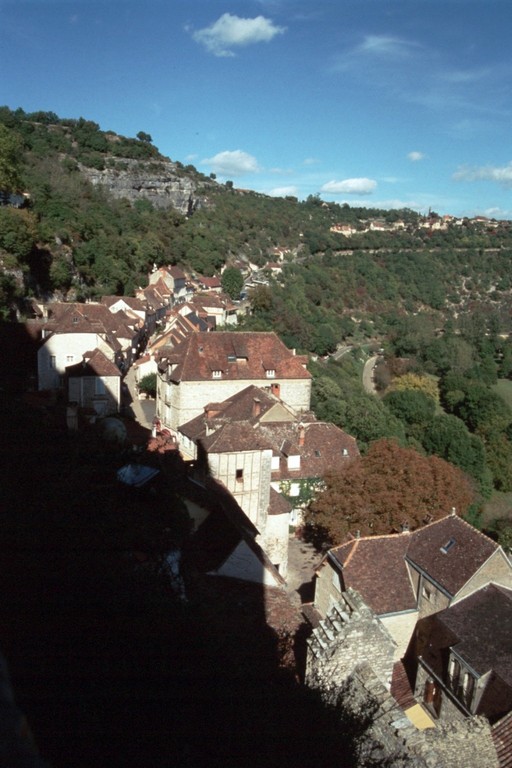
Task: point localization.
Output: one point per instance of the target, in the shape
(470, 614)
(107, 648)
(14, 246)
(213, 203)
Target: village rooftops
(237, 356)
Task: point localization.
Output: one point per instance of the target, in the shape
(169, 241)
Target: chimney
(256, 407)
(275, 389)
(302, 435)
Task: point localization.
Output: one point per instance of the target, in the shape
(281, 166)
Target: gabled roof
(93, 364)
(478, 629)
(88, 318)
(250, 405)
(450, 551)
(238, 355)
(376, 568)
(136, 304)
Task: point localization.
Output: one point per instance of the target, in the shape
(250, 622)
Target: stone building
(211, 367)
(263, 452)
(350, 663)
(406, 576)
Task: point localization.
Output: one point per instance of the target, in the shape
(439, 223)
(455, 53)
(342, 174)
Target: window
(454, 674)
(70, 358)
(426, 592)
(239, 475)
(446, 547)
(100, 386)
(53, 362)
(216, 374)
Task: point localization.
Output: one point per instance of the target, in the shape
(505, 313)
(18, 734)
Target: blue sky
(369, 102)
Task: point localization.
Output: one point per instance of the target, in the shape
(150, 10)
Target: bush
(147, 385)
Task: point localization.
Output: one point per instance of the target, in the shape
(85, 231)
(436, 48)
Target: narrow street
(142, 411)
(303, 560)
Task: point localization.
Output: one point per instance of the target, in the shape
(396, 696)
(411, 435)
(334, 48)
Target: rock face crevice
(161, 182)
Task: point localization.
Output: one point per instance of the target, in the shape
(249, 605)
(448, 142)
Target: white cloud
(415, 157)
(502, 176)
(350, 187)
(230, 31)
(381, 45)
(284, 192)
(232, 163)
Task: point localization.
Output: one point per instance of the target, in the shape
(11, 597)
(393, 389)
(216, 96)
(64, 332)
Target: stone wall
(350, 658)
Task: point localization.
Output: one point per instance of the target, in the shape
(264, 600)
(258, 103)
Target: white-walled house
(74, 329)
(256, 445)
(95, 383)
(210, 367)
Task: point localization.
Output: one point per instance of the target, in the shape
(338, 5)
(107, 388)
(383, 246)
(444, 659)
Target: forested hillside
(434, 294)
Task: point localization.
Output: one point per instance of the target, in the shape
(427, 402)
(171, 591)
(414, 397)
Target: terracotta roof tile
(238, 355)
(450, 551)
(502, 737)
(376, 568)
(94, 364)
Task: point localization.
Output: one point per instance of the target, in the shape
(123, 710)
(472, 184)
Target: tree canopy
(386, 489)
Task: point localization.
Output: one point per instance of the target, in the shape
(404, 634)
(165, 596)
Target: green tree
(18, 232)
(448, 437)
(147, 385)
(11, 152)
(412, 406)
(232, 282)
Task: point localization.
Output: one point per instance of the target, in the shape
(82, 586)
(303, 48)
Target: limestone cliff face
(162, 183)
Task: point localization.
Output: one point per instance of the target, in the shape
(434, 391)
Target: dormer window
(75, 320)
(216, 374)
(446, 547)
(271, 373)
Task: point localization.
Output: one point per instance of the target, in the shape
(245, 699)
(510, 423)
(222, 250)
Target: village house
(407, 576)
(271, 459)
(156, 301)
(215, 366)
(173, 278)
(95, 384)
(74, 329)
(463, 657)
(216, 309)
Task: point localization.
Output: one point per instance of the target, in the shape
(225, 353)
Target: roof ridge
(352, 552)
(465, 522)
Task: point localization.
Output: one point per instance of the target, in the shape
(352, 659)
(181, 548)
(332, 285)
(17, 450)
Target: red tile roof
(238, 355)
(376, 568)
(450, 551)
(502, 737)
(94, 364)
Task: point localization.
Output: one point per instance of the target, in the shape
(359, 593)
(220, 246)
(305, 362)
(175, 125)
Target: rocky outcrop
(161, 182)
